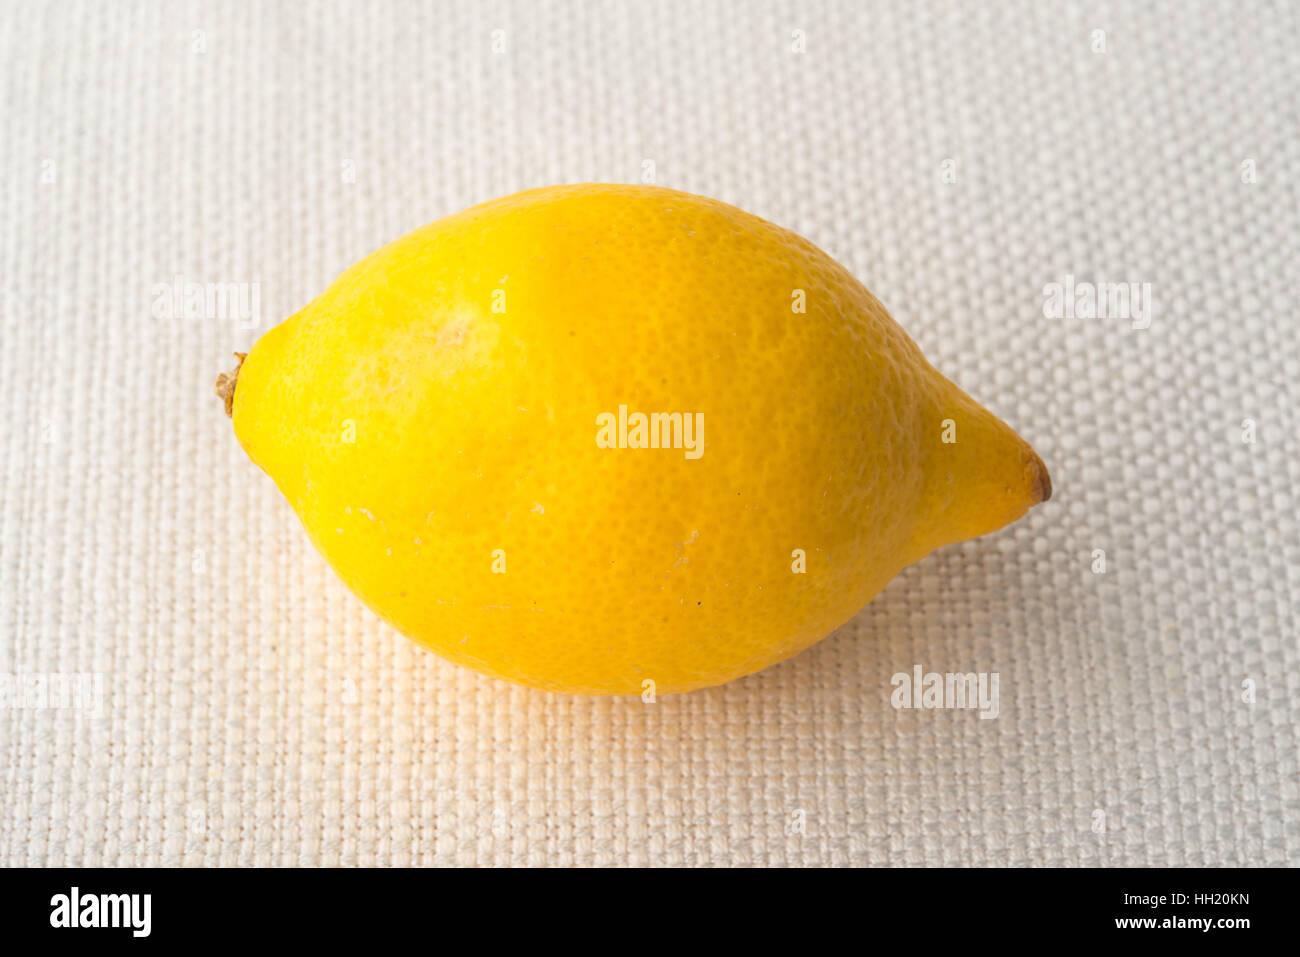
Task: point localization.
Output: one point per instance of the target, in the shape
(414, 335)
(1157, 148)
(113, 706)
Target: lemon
(609, 439)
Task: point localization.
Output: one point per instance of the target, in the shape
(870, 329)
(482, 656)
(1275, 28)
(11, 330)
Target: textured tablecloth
(957, 157)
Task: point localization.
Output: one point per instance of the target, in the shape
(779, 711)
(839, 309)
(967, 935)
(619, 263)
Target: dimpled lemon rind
(432, 419)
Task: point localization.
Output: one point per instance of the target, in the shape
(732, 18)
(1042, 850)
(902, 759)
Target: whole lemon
(602, 439)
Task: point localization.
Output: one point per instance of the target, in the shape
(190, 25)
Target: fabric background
(254, 712)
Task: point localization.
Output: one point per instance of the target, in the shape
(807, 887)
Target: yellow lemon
(603, 439)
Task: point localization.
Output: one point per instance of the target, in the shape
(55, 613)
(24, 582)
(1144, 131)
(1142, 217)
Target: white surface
(255, 713)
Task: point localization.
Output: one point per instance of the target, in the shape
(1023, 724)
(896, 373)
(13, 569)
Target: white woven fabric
(958, 157)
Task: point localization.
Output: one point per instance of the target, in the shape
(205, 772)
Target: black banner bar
(334, 907)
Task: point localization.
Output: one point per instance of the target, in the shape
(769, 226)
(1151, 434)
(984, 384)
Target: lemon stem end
(226, 385)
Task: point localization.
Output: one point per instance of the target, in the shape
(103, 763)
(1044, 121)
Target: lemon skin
(433, 419)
